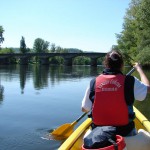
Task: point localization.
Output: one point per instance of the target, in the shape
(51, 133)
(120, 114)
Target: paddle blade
(64, 130)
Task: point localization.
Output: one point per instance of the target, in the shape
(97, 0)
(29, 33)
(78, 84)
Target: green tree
(1, 35)
(40, 46)
(127, 39)
(144, 56)
(53, 48)
(135, 36)
(143, 22)
(6, 51)
(59, 49)
(23, 45)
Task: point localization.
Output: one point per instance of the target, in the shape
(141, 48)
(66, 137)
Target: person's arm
(86, 102)
(143, 77)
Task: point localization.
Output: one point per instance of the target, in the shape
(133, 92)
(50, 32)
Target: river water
(36, 99)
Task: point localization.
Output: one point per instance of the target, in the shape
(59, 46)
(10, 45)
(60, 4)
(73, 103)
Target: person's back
(112, 92)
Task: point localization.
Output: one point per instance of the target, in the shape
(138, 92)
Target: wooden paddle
(65, 130)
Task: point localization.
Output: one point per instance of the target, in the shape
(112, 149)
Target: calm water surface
(36, 99)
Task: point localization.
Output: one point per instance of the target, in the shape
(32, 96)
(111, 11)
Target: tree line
(134, 39)
(42, 46)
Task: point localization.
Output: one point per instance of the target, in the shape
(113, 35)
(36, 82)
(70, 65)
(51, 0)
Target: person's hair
(113, 60)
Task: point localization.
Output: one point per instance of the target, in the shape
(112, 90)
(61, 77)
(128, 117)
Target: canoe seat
(141, 141)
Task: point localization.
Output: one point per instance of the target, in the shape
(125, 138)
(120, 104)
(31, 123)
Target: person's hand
(137, 66)
(143, 77)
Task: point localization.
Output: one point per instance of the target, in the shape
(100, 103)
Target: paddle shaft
(131, 71)
(81, 117)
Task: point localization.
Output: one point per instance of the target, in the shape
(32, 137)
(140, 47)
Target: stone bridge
(44, 57)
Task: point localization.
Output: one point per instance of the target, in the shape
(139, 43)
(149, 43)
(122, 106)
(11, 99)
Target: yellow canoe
(139, 142)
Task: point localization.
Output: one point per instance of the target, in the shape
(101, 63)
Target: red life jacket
(109, 106)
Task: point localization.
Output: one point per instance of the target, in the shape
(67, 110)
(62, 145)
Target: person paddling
(111, 95)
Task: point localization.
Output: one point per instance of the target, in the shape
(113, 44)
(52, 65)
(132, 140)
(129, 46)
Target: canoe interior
(75, 140)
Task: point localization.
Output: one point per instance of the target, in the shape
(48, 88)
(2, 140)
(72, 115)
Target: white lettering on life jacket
(111, 82)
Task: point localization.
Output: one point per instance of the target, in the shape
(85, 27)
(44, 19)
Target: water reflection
(1, 93)
(42, 76)
(23, 74)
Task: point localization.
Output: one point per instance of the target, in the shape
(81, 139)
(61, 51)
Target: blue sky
(89, 25)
